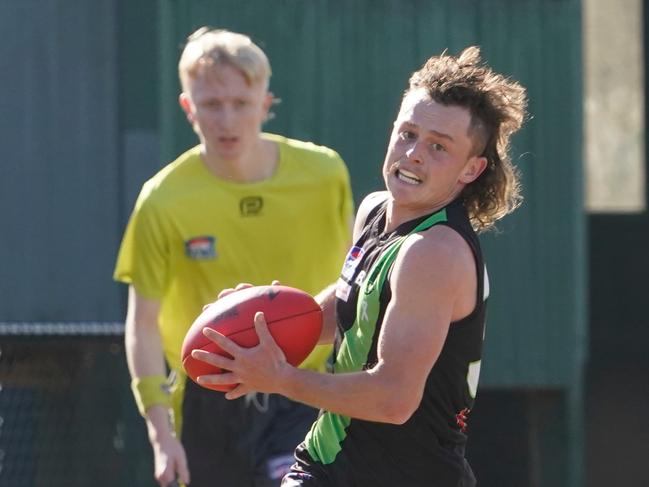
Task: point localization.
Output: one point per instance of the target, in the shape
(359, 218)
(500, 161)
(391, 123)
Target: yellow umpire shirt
(191, 234)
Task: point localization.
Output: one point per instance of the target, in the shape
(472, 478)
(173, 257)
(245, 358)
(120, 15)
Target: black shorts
(306, 472)
(248, 442)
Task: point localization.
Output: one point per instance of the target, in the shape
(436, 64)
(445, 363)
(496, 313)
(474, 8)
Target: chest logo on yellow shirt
(251, 205)
(201, 248)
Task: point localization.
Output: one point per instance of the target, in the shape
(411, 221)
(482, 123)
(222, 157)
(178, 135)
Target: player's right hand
(170, 461)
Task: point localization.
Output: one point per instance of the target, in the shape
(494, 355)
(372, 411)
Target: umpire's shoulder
(171, 179)
(307, 154)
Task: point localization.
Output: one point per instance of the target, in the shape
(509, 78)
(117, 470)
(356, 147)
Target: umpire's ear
(186, 104)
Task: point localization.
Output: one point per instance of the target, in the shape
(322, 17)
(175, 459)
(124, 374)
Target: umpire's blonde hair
(213, 47)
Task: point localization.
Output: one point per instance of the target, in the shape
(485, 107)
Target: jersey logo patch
(201, 248)
(251, 205)
(352, 260)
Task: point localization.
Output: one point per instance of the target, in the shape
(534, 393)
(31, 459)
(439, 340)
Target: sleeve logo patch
(201, 248)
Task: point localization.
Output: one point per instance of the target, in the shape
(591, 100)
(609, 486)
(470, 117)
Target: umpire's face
(225, 110)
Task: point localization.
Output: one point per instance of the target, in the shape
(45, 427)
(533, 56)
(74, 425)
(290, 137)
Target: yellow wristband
(150, 391)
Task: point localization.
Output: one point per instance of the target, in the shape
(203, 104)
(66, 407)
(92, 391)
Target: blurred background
(88, 104)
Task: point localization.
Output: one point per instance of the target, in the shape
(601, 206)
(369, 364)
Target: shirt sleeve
(143, 257)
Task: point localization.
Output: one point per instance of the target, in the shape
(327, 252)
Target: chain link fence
(67, 417)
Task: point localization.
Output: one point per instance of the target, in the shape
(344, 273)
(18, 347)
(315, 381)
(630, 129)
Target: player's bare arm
(425, 300)
(327, 301)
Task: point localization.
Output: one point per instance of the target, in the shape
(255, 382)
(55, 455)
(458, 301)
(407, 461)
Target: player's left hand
(238, 287)
(259, 368)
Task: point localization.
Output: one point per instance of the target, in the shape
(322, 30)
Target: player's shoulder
(366, 207)
(305, 153)
(440, 239)
(371, 201)
(442, 245)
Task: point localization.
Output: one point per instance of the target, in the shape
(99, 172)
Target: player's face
(430, 156)
(225, 111)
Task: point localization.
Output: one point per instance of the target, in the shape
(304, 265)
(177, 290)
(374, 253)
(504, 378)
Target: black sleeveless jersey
(427, 450)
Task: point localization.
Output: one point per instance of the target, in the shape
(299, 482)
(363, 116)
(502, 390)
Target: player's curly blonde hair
(498, 108)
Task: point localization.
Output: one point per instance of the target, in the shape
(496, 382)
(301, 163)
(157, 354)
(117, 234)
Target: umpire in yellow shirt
(242, 206)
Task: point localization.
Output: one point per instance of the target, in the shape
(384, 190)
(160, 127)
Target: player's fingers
(212, 359)
(275, 283)
(223, 293)
(262, 328)
(230, 290)
(239, 391)
(217, 379)
(224, 342)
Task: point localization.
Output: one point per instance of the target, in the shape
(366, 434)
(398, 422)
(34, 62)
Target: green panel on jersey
(327, 434)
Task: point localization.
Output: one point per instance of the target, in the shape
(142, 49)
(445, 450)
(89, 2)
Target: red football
(293, 316)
